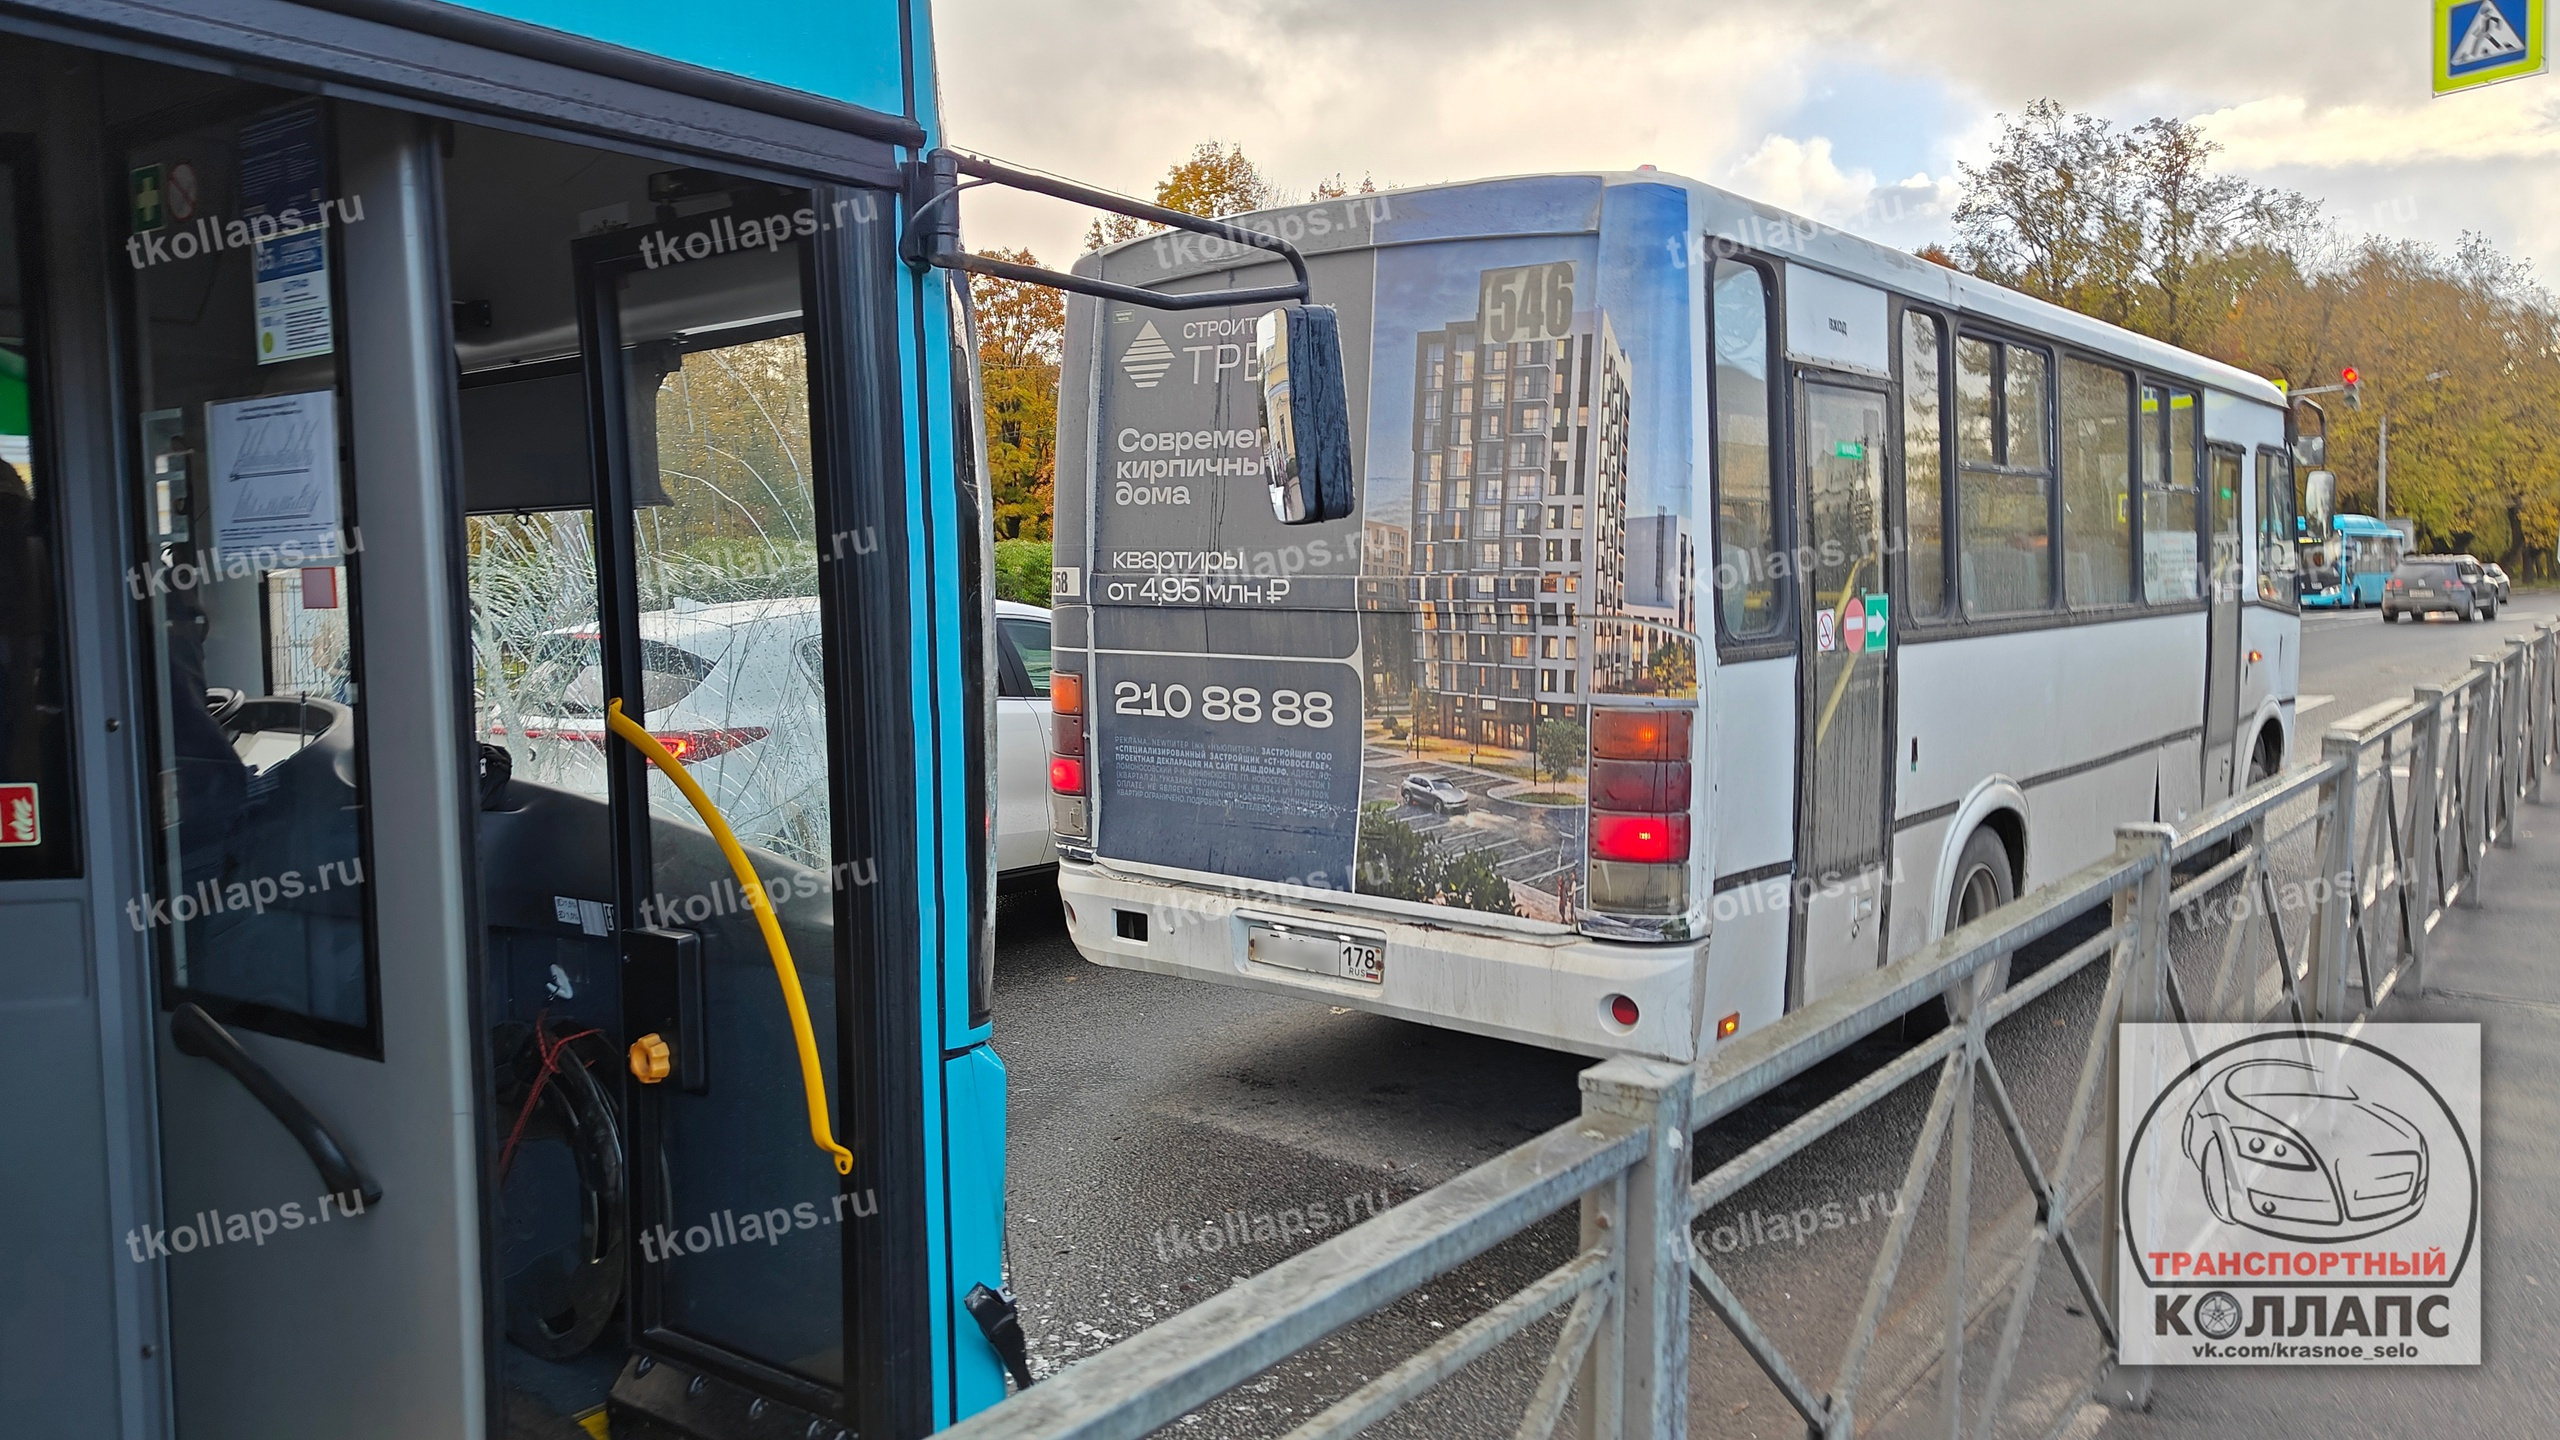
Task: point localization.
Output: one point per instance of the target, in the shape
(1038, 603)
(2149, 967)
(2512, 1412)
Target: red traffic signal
(2348, 381)
(2348, 375)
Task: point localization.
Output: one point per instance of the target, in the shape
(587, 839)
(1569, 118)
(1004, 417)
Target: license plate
(1318, 951)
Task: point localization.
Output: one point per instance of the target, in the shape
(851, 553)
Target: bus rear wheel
(1983, 883)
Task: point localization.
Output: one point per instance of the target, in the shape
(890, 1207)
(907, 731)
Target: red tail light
(1640, 734)
(1066, 775)
(689, 746)
(1641, 839)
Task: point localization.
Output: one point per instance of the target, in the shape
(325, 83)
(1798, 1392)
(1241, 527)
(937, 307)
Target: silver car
(1433, 793)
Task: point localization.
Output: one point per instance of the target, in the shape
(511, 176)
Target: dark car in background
(2426, 585)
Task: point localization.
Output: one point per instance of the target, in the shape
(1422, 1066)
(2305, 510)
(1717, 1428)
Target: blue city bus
(495, 911)
(2344, 570)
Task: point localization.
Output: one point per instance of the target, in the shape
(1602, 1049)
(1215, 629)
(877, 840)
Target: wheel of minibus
(1983, 883)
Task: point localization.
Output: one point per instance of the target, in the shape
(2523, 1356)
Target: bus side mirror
(2320, 501)
(1306, 415)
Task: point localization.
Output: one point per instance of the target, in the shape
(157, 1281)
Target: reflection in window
(2169, 484)
(1976, 433)
(1924, 481)
(256, 713)
(1747, 573)
(1031, 641)
(2004, 550)
(2275, 527)
(2097, 478)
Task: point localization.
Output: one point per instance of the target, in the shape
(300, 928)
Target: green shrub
(1022, 571)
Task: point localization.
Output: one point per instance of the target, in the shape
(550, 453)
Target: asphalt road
(1169, 1137)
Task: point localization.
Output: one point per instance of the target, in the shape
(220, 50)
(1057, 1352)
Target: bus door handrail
(813, 1077)
(197, 1033)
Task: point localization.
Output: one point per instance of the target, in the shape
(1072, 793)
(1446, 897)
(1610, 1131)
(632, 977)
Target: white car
(732, 689)
(1026, 851)
(736, 691)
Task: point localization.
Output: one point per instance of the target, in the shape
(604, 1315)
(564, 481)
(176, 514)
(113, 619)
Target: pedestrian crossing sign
(2481, 42)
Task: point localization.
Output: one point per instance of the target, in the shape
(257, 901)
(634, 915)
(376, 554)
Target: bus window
(2169, 484)
(36, 836)
(2275, 528)
(253, 584)
(1748, 577)
(1924, 471)
(2097, 466)
(2006, 514)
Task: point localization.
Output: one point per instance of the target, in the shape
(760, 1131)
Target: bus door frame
(2225, 578)
(857, 413)
(1808, 885)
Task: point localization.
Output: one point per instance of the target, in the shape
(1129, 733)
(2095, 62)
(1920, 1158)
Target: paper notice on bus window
(274, 472)
(283, 176)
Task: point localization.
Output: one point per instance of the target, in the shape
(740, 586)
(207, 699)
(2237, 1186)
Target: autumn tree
(2460, 351)
(1021, 327)
(2133, 227)
(1216, 180)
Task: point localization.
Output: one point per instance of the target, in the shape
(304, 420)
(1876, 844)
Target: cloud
(1805, 177)
(1422, 91)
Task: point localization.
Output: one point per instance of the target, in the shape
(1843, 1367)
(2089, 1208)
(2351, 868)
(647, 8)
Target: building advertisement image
(1397, 703)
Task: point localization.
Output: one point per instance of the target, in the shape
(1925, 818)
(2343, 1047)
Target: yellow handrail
(811, 1077)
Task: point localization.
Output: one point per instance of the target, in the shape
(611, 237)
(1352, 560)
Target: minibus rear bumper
(1556, 990)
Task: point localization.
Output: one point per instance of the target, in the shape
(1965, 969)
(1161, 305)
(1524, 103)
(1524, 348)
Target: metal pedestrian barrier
(2311, 897)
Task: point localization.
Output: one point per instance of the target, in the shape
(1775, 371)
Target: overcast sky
(1854, 113)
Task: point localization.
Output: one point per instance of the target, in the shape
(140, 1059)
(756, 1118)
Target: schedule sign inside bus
(2481, 42)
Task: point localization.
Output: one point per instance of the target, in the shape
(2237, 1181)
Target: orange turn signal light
(1066, 693)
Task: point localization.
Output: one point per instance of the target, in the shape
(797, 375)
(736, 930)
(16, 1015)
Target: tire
(2491, 613)
(1983, 883)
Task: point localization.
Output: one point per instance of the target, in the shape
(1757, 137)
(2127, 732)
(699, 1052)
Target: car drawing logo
(1147, 357)
(2282, 1149)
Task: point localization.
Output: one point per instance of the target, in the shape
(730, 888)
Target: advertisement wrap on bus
(1266, 690)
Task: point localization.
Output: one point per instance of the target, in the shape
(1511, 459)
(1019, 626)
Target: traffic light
(2354, 387)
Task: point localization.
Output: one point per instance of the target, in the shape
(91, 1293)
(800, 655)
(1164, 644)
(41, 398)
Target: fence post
(2423, 884)
(2546, 696)
(2538, 712)
(2480, 741)
(2333, 924)
(2514, 703)
(2144, 952)
(1636, 1381)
